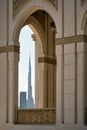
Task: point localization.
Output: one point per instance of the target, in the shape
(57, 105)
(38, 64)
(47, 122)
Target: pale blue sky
(26, 49)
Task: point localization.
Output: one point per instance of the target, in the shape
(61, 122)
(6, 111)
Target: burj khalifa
(30, 100)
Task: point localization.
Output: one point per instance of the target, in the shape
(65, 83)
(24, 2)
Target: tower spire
(29, 75)
(30, 101)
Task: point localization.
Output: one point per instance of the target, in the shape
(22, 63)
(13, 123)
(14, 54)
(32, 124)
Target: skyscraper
(23, 100)
(30, 101)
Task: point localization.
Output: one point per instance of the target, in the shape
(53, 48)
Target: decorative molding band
(11, 48)
(72, 39)
(36, 116)
(47, 60)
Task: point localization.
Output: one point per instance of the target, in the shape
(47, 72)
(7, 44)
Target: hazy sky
(26, 50)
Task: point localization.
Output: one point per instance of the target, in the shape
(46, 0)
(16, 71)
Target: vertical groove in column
(47, 63)
(62, 18)
(45, 78)
(75, 61)
(62, 84)
(62, 87)
(75, 83)
(53, 88)
(53, 39)
(85, 85)
(53, 68)
(7, 89)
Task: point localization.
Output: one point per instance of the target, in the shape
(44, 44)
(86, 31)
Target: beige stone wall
(3, 62)
(72, 76)
(69, 18)
(3, 25)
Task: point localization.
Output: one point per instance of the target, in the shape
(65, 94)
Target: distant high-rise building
(23, 100)
(27, 103)
(30, 100)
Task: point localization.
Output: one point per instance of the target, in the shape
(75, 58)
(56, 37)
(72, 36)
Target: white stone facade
(62, 61)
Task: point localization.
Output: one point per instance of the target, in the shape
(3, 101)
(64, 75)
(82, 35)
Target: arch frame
(27, 10)
(39, 33)
(84, 21)
(14, 31)
(84, 28)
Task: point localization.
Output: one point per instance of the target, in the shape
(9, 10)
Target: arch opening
(45, 60)
(26, 69)
(45, 54)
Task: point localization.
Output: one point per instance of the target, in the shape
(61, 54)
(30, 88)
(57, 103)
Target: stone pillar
(47, 82)
(12, 86)
(59, 85)
(81, 82)
(3, 88)
(3, 61)
(69, 83)
(42, 81)
(8, 81)
(51, 95)
(36, 71)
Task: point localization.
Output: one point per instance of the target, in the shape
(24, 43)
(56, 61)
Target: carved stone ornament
(82, 2)
(36, 116)
(17, 5)
(53, 2)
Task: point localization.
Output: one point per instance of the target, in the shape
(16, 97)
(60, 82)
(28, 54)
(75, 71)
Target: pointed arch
(84, 20)
(28, 10)
(38, 30)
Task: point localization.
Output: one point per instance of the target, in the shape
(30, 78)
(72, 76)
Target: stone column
(50, 87)
(47, 82)
(3, 87)
(8, 80)
(3, 60)
(81, 82)
(42, 86)
(69, 84)
(59, 85)
(36, 72)
(13, 58)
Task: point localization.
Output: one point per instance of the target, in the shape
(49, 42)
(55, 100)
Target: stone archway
(84, 29)
(48, 60)
(85, 80)
(26, 10)
(84, 20)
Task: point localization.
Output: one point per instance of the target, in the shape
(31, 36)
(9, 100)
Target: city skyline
(26, 50)
(27, 102)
